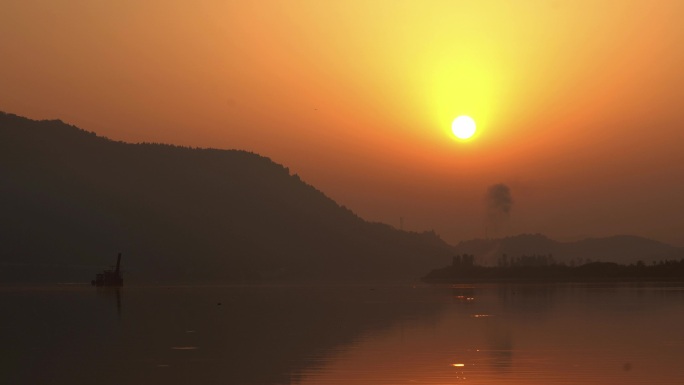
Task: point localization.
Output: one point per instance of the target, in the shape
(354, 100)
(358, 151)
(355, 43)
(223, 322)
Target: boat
(110, 277)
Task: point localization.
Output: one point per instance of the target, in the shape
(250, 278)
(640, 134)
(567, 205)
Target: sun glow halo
(463, 127)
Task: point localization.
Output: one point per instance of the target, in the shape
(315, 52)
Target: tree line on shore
(544, 267)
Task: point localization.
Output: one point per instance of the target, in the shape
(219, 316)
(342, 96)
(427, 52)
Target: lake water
(365, 334)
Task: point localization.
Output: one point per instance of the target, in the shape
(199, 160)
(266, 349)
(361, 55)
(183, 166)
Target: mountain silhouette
(625, 249)
(70, 200)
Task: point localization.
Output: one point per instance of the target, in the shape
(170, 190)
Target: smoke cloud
(499, 204)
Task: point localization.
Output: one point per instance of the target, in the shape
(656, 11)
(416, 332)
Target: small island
(543, 268)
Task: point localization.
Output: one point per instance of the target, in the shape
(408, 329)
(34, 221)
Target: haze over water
(365, 334)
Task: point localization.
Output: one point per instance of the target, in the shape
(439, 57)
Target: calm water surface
(366, 334)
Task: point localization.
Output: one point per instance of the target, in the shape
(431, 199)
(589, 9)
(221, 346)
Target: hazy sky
(579, 104)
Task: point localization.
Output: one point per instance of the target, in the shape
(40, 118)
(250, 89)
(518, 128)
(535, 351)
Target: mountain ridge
(177, 213)
(72, 199)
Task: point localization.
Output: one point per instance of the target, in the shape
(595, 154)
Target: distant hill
(624, 249)
(70, 200)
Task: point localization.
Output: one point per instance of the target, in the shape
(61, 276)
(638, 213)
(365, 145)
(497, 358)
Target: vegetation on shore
(543, 268)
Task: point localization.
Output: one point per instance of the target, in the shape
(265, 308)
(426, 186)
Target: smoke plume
(499, 205)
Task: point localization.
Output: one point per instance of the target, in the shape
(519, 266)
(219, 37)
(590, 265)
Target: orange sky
(579, 104)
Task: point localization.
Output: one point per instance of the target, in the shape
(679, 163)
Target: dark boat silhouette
(110, 277)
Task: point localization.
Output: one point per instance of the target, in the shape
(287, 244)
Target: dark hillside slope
(70, 200)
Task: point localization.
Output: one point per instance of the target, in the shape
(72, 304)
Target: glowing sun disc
(463, 127)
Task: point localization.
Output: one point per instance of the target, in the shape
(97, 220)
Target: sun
(463, 127)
